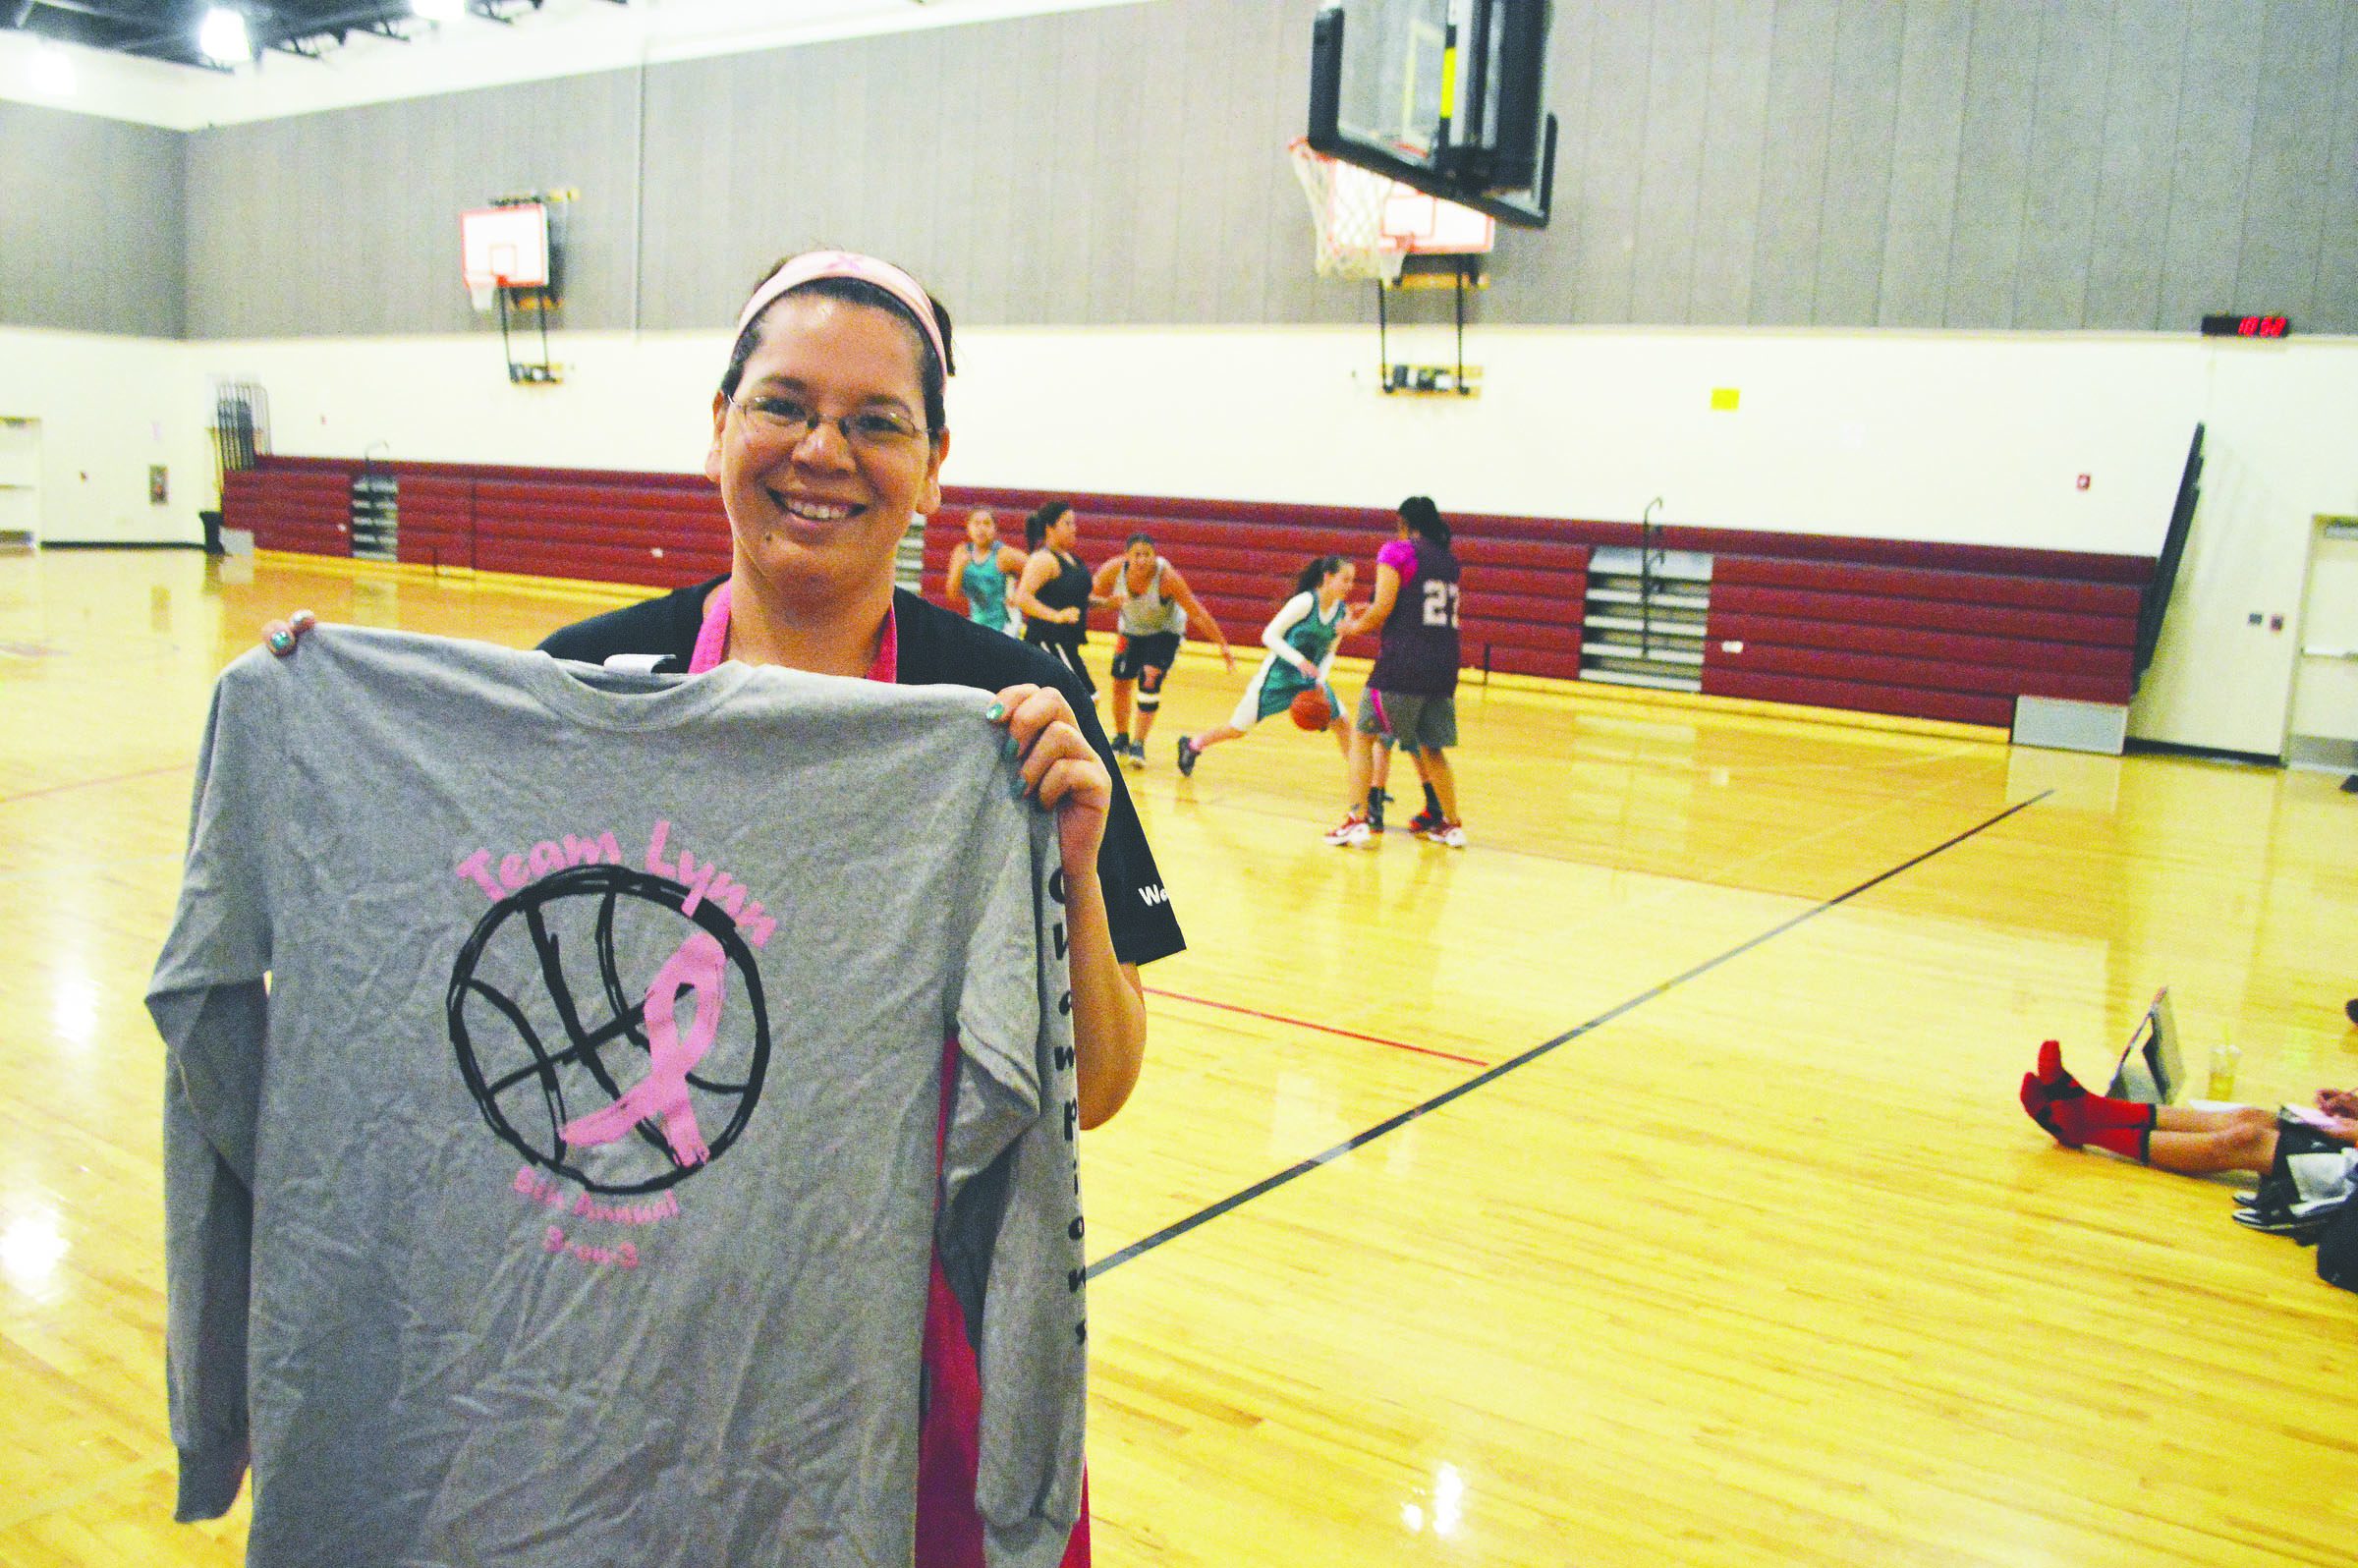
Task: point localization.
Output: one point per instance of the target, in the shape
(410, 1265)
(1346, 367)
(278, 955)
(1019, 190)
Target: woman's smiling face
(819, 516)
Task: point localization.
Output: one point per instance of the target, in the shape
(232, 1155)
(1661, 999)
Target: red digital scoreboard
(2247, 327)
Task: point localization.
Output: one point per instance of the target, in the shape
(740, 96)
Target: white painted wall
(109, 406)
(2324, 693)
(1956, 438)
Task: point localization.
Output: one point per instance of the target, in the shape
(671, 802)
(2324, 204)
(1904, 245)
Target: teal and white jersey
(1299, 630)
(1308, 630)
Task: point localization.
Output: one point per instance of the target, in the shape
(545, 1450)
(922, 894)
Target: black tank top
(1068, 590)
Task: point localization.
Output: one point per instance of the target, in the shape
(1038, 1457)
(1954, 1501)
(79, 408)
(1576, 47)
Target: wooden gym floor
(1755, 1261)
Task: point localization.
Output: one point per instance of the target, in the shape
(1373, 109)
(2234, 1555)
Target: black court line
(1269, 1184)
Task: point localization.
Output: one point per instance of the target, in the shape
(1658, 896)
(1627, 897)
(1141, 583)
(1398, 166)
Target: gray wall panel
(1926, 139)
(966, 118)
(687, 260)
(1993, 161)
(979, 279)
(1858, 164)
(2143, 70)
(1678, 87)
(1213, 144)
(1290, 285)
(346, 223)
(2291, 168)
(1801, 87)
(2067, 135)
(1023, 222)
(1536, 276)
(1612, 163)
(2217, 104)
(91, 223)
(1251, 146)
(908, 122)
(1086, 237)
(1728, 193)
(1152, 252)
(2072, 163)
(2336, 294)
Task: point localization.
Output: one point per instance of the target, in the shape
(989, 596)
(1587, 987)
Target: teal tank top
(985, 592)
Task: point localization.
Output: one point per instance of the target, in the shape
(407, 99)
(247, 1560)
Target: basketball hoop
(1346, 206)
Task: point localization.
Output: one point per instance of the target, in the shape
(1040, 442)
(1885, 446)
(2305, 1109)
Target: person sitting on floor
(2176, 1137)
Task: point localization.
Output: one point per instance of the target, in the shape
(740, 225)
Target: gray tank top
(1148, 613)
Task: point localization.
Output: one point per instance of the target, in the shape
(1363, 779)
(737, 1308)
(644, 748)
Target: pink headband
(845, 264)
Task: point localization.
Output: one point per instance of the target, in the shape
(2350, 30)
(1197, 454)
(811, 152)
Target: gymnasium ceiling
(166, 31)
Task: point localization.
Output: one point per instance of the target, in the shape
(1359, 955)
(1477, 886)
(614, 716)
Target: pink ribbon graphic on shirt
(663, 1094)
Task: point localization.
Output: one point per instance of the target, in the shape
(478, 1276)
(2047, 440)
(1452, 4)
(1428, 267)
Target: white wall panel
(110, 405)
(1963, 437)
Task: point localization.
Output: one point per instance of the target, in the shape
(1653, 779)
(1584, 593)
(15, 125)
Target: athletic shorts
(1418, 723)
(1066, 654)
(1133, 656)
(1270, 694)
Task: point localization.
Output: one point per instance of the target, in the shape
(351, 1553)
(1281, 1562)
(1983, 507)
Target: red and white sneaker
(1352, 830)
(1439, 831)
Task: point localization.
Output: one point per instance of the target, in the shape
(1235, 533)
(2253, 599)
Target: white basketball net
(1346, 208)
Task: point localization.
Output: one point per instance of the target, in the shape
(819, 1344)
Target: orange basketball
(1310, 710)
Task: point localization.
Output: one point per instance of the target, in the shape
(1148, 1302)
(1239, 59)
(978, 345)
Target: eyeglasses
(783, 419)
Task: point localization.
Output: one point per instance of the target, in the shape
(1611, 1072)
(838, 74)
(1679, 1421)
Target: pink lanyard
(712, 641)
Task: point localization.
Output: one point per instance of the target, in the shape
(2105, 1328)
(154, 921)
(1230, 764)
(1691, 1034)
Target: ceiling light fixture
(439, 10)
(222, 36)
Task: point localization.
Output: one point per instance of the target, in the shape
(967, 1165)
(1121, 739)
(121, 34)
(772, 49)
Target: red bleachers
(1888, 625)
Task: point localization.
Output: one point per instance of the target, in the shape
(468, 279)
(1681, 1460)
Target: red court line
(1323, 1028)
(93, 783)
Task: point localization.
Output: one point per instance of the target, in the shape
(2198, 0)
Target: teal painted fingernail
(1020, 787)
(999, 712)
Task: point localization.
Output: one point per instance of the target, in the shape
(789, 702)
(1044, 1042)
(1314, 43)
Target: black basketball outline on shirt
(613, 882)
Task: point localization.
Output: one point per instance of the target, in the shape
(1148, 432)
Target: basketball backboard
(505, 247)
(1447, 96)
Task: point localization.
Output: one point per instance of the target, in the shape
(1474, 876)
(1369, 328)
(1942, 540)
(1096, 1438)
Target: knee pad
(1149, 698)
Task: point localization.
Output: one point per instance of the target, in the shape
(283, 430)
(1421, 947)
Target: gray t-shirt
(566, 1194)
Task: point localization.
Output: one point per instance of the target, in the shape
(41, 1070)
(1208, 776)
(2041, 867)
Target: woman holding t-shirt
(828, 436)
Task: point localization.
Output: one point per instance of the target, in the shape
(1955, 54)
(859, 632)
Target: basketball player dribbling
(1301, 639)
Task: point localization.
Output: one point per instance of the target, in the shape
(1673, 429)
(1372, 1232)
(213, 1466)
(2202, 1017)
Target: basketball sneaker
(1423, 824)
(1376, 804)
(1352, 830)
(1440, 830)
(1187, 758)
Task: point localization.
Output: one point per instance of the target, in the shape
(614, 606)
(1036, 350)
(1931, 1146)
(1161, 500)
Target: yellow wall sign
(1723, 399)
